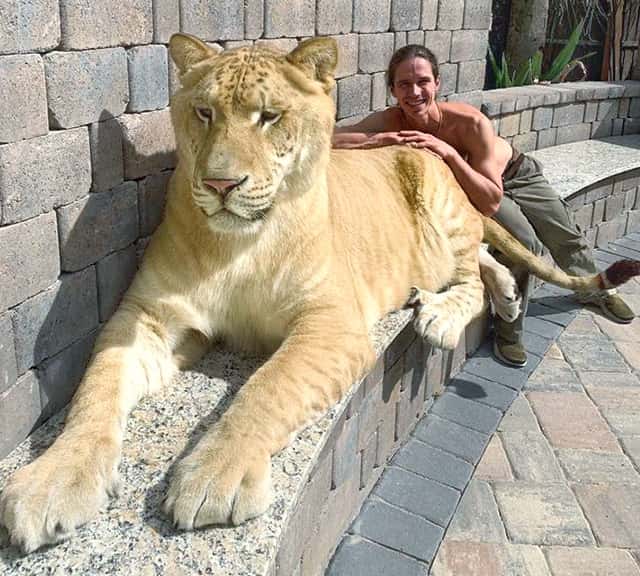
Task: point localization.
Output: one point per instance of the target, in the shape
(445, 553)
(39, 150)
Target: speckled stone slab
(131, 536)
(571, 167)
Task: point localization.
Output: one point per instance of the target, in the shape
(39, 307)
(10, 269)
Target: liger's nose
(222, 186)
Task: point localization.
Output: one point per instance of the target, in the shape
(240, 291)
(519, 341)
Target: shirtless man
(500, 181)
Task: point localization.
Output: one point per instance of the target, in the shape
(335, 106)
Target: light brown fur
(301, 259)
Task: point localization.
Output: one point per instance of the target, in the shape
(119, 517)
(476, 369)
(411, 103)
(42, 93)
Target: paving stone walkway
(520, 472)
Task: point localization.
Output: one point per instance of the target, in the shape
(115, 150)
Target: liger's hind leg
(501, 285)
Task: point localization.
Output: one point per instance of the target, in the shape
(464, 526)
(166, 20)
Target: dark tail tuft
(622, 271)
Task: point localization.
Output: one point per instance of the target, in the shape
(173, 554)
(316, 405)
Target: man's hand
(417, 139)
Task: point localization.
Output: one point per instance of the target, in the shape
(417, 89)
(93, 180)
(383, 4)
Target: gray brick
(29, 259)
(115, 273)
(607, 110)
(149, 143)
(213, 21)
(526, 118)
(450, 14)
(333, 17)
(278, 44)
(371, 15)
(27, 26)
(19, 412)
(253, 18)
(439, 42)
(405, 14)
(574, 133)
(614, 206)
(61, 374)
(375, 52)
(166, 19)
(288, 18)
(400, 39)
(369, 473)
(477, 14)
(446, 435)
(617, 127)
(525, 142)
(418, 495)
(609, 231)
(415, 37)
(358, 557)
(378, 91)
(598, 211)
(105, 139)
(473, 98)
(547, 138)
(53, 319)
(591, 353)
(631, 126)
(398, 529)
(345, 453)
(471, 75)
(87, 86)
(633, 222)
(531, 457)
(601, 129)
(151, 200)
(598, 191)
(39, 174)
(354, 95)
(468, 45)
(568, 114)
(448, 79)
(433, 463)
(97, 225)
(88, 24)
(8, 370)
(23, 98)
(590, 111)
(623, 108)
(429, 13)
(483, 364)
(542, 118)
(148, 78)
(509, 124)
(634, 108)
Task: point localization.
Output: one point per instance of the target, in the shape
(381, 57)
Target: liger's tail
(613, 276)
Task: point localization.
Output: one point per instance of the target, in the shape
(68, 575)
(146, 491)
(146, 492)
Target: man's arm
(374, 131)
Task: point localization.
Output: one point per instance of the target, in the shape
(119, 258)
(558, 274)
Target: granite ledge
(132, 536)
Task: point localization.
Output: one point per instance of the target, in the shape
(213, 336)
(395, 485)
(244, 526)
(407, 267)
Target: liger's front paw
(219, 483)
(47, 500)
(434, 321)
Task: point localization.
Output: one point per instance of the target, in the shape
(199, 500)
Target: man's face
(414, 85)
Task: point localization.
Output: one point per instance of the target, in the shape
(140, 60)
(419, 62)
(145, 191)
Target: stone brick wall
(86, 148)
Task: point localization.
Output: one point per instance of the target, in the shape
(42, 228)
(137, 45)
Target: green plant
(530, 71)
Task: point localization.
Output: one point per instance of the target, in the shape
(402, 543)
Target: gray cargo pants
(534, 213)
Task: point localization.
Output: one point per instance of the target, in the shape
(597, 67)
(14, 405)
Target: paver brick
(587, 466)
(477, 518)
(542, 327)
(468, 45)
(19, 412)
(446, 435)
(542, 514)
(468, 413)
(477, 14)
(86, 86)
(166, 20)
(584, 429)
(405, 15)
(8, 370)
(87, 24)
(418, 495)
(288, 18)
(439, 42)
(481, 390)
(485, 559)
(620, 407)
(29, 26)
(29, 259)
(547, 138)
(631, 446)
(612, 379)
(448, 79)
(494, 464)
(149, 143)
(345, 452)
(152, 192)
(429, 15)
(97, 225)
(253, 18)
(613, 511)
(359, 557)
(398, 529)
(148, 78)
(23, 98)
(42, 173)
(354, 95)
(531, 457)
(484, 365)
(554, 375)
(450, 14)
(53, 319)
(105, 140)
(379, 91)
(631, 353)
(433, 463)
(570, 560)
(593, 353)
(471, 75)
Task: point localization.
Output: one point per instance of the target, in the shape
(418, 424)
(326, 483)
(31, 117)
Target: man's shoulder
(464, 113)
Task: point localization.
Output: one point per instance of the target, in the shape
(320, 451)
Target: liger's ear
(187, 50)
(318, 57)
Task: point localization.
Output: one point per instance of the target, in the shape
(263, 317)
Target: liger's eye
(269, 117)
(204, 114)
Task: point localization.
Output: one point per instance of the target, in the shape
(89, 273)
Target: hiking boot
(511, 353)
(610, 302)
